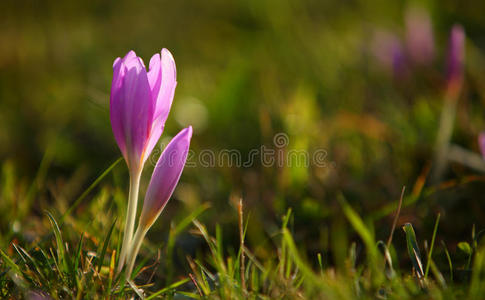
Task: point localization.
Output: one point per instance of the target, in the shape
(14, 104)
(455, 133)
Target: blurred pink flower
(389, 52)
(419, 36)
(455, 61)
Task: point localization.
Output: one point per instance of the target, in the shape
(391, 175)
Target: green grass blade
(112, 266)
(387, 256)
(168, 288)
(476, 285)
(428, 262)
(39, 177)
(33, 262)
(189, 295)
(293, 251)
(105, 246)
(188, 220)
(203, 230)
(176, 230)
(365, 234)
(19, 253)
(478, 237)
(17, 277)
(219, 251)
(448, 257)
(9, 262)
(437, 274)
(139, 267)
(413, 249)
(286, 218)
(89, 189)
(78, 252)
(320, 264)
(254, 260)
(56, 263)
(61, 251)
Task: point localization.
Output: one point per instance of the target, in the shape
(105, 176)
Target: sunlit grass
(66, 264)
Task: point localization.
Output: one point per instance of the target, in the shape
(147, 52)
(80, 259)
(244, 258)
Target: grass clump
(84, 268)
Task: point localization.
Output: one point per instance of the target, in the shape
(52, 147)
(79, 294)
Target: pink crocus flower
(419, 35)
(454, 81)
(455, 61)
(139, 104)
(164, 179)
(389, 53)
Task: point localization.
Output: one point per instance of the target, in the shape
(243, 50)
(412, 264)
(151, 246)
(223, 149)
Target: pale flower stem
(130, 218)
(135, 247)
(445, 132)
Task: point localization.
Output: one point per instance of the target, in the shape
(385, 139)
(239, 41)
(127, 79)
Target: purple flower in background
(389, 52)
(419, 35)
(455, 61)
(399, 61)
(139, 104)
(481, 143)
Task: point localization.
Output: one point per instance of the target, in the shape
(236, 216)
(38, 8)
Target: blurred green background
(319, 71)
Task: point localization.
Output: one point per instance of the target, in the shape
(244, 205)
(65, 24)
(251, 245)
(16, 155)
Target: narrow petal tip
(129, 55)
(116, 62)
(188, 132)
(154, 61)
(168, 63)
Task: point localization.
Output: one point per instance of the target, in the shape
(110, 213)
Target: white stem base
(130, 218)
(136, 244)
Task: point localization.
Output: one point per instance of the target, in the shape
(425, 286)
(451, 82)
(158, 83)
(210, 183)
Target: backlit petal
(165, 177)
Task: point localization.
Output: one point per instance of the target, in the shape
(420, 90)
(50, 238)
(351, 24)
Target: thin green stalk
(396, 217)
(130, 218)
(447, 121)
(476, 287)
(448, 257)
(435, 230)
(88, 190)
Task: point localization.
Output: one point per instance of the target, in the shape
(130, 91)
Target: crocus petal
(155, 75)
(138, 110)
(116, 62)
(140, 103)
(131, 54)
(162, 78)
(133, 61)
(155, 80)
(167, 87)
(156, 132)
(165, 177)
(481, 143)
(116, 108)
(131, 109)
